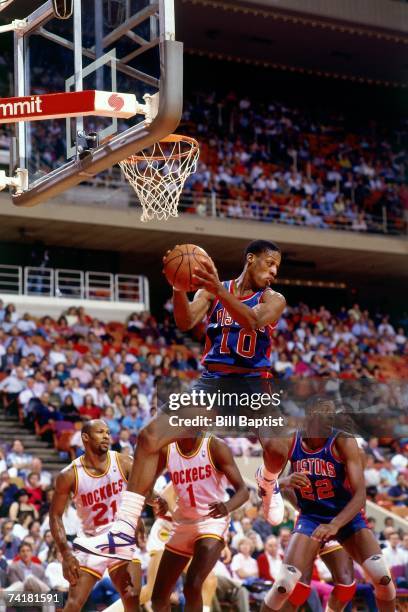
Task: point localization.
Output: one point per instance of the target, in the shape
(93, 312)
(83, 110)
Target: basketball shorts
(235, 406)
(184, 535)
(307, 525)
(329, 547)
(97, 566)
(159, 535)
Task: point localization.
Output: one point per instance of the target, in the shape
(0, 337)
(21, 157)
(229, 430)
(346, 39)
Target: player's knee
(210, 582)
(276, 454)
(283, 587)
(75, 603)
(380, 576)
(344, 593)
(130, 604)
(148, 439)
(159, 603)
(343, 575)
(193, 587)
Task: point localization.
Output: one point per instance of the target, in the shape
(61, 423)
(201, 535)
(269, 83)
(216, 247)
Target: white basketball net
(158, 174)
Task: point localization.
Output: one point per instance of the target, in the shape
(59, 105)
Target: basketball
(180, 263)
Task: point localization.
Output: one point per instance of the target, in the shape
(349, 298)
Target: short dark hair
(259, 246)
(86, 428)
(316, 400)
(25, 544)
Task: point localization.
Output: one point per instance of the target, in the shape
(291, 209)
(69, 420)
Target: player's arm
(165, 502)
(188, 314)
(265, 313)
(349, 452)
(153, 499)
(64, 486)
(224, 462)
(169, 495)
(126, 464)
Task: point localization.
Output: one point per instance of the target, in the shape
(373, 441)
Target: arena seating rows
(274, 162)
(56, 374)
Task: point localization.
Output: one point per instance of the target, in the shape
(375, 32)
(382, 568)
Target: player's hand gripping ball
(180, 263)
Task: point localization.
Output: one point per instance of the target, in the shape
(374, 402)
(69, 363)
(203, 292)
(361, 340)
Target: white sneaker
(108, 544)
(272, 501)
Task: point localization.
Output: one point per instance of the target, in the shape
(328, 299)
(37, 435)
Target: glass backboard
(122, 46)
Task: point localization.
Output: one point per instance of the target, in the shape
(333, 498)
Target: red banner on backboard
(70, 104)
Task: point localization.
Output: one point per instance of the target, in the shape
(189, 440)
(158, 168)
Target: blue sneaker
(108, 544)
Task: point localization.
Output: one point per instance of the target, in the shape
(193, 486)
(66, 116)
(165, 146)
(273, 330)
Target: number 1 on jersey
(191, 496)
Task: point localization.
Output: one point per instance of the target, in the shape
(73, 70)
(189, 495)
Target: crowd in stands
(274, 162)
(29, 559)
(77, 368)
(386, 476)
(56, 374)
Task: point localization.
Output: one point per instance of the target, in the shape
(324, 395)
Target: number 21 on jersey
(102, 513)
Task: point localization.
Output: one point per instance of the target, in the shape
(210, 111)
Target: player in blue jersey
(335, 557)
(240, 316)
(330, 495)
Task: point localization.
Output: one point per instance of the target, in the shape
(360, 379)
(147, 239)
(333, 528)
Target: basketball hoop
(158, 174)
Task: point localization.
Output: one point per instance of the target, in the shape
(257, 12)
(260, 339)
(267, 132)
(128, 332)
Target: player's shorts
(307, 525)
(184, 535)
(96, 566)
(159, 535)
(251, 403)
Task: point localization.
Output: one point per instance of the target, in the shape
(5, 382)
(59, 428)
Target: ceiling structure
(280, 38)
(283, 41)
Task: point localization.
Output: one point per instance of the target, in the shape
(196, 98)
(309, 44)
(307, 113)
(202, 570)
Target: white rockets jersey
(97, 498)
(196, 481)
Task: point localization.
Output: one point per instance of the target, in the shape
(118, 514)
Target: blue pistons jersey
(229, 348)
(328, 492)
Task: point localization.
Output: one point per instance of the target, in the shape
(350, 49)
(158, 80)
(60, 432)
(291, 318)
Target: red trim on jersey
(222, 367)
(207, 348)
(292, 446)
(242, 298)
(313, 452)
(334, 452)
(269, 328)
(364, 516)
(216, 302)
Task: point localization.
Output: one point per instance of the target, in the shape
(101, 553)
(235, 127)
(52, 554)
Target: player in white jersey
(159, 535)
(95, 481)
(201, 470)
